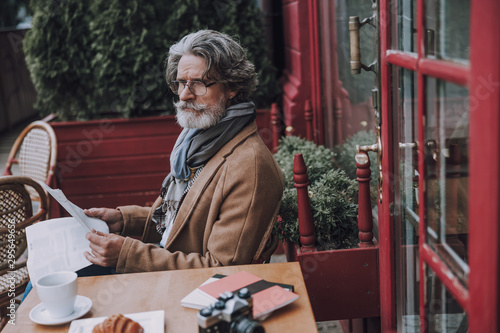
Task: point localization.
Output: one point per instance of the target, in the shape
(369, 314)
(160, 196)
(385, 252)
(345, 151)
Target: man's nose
(186, 94)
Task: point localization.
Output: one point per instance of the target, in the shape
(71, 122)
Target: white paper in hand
(58, 245)
(73, 210)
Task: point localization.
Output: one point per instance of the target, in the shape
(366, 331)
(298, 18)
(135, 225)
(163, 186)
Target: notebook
(267, 296)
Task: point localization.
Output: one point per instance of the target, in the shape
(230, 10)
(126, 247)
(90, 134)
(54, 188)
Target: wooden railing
(365, 218)
(342, 284)
(306, 226)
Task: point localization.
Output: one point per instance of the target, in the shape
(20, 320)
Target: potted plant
(99, 68)
(341, 276)
(332, 194)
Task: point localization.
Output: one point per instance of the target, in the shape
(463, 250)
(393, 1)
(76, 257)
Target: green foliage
(56, 55)
(89, 59)
(253, 40)
(318, 159)
(127, 44)
(287, 222)
(333, 197)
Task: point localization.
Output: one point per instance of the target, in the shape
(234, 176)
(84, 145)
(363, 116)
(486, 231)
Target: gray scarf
(193, 148)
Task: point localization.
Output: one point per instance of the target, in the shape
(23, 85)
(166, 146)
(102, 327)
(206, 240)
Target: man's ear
(231, 94)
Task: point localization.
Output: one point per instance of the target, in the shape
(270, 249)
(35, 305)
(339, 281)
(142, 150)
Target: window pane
(443, 312)
(447, 29)
(404, 33)
(446, 162)
(405, 208)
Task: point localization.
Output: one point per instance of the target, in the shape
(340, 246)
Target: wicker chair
(16, 213)
(34, 155)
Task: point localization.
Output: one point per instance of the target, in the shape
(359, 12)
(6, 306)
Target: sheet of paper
(198, 299)
(70, 207)
(58, 245)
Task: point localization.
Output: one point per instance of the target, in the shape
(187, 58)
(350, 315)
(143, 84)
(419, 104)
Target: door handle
(354, 27)
(407, 145)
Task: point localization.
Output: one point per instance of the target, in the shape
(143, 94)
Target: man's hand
(113, 217)
(105, 248)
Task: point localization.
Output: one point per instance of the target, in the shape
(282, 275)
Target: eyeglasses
(198, 88)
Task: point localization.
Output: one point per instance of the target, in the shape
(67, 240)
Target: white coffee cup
(57, 291)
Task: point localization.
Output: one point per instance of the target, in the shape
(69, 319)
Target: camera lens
(245, 325)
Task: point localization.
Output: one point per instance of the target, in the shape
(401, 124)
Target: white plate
(40, 315)
(151, 321)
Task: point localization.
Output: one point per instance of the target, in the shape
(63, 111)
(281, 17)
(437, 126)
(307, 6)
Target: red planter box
(342, 284)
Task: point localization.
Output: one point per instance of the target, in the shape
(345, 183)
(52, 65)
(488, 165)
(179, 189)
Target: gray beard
(202, 117)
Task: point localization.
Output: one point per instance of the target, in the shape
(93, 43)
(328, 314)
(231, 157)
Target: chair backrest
(35, 151)
(16, 213)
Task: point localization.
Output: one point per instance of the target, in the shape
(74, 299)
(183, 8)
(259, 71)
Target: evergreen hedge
(91, 58)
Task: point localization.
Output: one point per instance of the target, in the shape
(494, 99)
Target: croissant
(118, 324)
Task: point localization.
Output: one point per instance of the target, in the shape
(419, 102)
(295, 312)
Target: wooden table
(130, 293)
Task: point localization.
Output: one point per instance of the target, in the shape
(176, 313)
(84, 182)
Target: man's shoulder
(252, 152)
(248, 132)
(251, 143)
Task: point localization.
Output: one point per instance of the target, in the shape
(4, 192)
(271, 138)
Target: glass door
(430, 198)
(430, 102)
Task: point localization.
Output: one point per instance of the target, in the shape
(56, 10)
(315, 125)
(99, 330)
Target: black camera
(231, 313)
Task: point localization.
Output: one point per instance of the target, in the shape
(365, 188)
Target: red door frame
(481, 300)
(386, 222)
(484, 186)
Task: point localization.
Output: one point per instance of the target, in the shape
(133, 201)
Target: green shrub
(57, 56)
(318, 159)
(333, 197)
(89, 59)
(127, 49)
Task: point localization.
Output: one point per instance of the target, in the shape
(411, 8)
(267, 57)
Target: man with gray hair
(218, 203)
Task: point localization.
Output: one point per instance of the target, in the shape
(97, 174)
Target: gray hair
(226, 62)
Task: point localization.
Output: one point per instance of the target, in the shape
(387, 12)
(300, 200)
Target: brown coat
(225, 218)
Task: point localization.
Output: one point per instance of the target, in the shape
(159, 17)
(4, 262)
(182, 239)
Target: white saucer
(40, 315)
